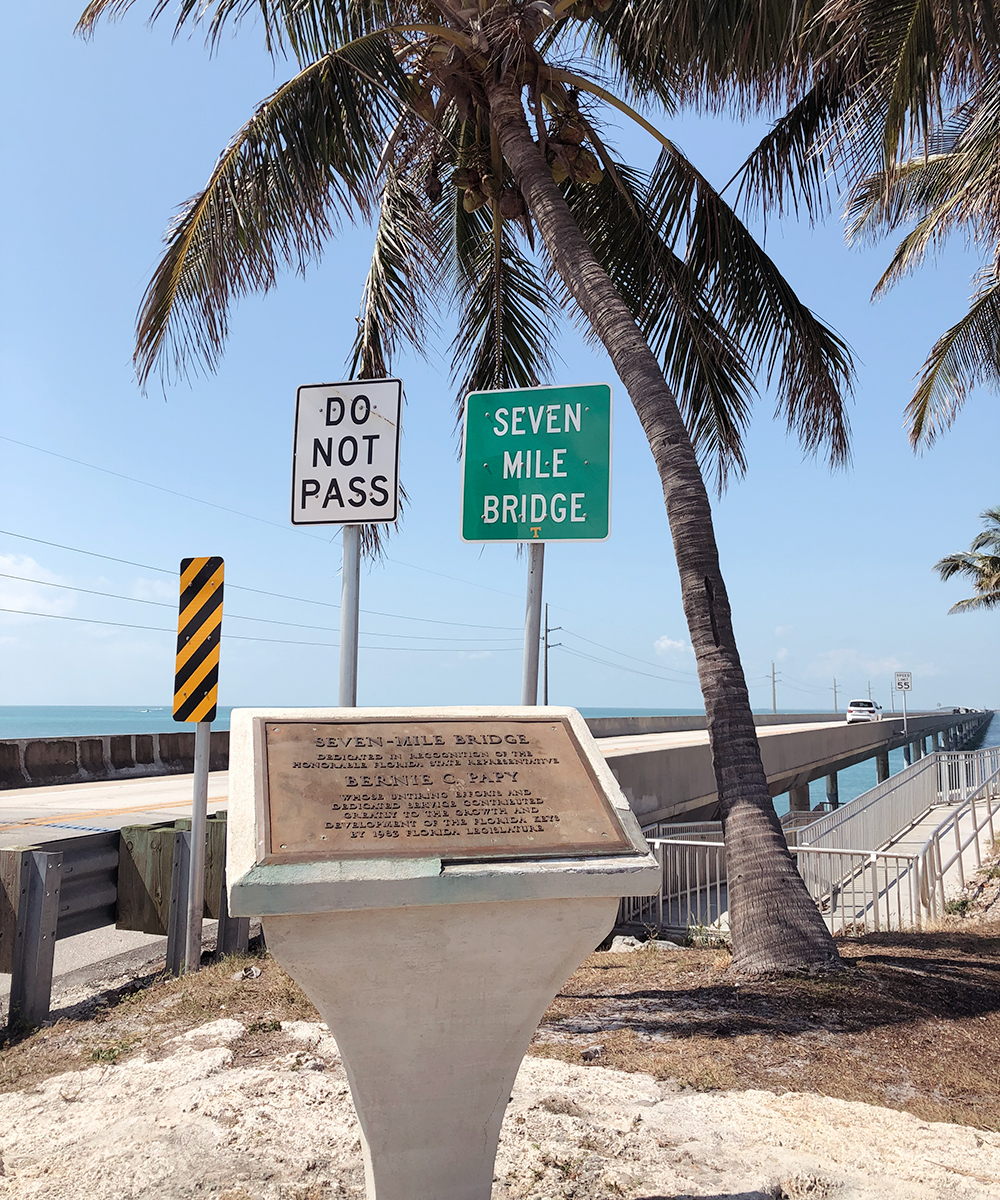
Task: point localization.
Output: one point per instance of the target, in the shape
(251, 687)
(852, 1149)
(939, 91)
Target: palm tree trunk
(775, 924)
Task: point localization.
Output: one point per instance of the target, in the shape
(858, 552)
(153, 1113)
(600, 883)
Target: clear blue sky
(829, 574)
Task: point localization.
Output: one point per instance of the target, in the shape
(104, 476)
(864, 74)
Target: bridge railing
(963, 773)
(850, 869)
(878, 815)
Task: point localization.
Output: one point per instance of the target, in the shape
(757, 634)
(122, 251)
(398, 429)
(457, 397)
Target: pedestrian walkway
(891, 859)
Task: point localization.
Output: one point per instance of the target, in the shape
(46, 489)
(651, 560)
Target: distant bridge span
(665, 768)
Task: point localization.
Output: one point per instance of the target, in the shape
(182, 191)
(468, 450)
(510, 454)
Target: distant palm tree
(980, 564)
(473, 131)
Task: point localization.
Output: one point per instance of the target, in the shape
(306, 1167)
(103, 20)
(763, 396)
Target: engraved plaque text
(449, 788)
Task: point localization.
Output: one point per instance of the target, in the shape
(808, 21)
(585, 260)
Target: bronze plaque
(449, 788)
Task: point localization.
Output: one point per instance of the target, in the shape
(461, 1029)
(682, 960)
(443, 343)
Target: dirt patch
(913, 1024)
(879, 1083)
(142, 1017)
(199, 1120)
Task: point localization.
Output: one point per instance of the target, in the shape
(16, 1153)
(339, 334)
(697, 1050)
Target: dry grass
(913, 1024)
(144, 1016)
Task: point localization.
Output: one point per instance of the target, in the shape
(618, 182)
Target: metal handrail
(854, 885)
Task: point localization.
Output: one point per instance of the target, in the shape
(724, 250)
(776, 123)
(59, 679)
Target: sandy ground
(208, 1116)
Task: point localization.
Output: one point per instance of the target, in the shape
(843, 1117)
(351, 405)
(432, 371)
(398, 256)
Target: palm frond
(507, 313)
(702, 364)
(807, 363)
(965, 357)
(305, 160)
(309, 30)
(405, 273)
(705, 55)
(981, 569)
(974, 603)
(794, 165)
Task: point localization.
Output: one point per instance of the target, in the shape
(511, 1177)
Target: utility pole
(892, 697)
(869, 689)
(835, 709)
(774, 694)
(547, 646)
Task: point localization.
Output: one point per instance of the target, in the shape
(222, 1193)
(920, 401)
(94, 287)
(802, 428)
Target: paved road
(633, 742)
(35, 814)
(43, 814)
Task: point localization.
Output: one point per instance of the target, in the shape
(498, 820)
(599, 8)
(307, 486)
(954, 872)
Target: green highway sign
(536, 465)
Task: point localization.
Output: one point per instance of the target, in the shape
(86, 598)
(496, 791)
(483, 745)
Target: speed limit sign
(904, 681)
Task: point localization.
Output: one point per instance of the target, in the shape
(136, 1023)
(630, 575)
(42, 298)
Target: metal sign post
(536, 468)
(904, 684)
(196, 694)
(532, 624)
(345, 471)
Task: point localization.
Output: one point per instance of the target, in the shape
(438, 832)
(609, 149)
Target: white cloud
(853, 663)
(669, 645)
(25, 594)
(781, 655)
(154, 589)
(782, 630)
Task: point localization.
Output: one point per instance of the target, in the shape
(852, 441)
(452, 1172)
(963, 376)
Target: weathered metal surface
(454, 788)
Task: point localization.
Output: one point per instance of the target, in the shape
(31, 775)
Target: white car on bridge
(863, 710)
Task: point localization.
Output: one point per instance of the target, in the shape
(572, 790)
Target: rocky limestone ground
(239, 1113)
(654, 1076)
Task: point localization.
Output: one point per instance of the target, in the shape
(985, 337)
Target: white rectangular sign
(345, 466)
(904, 681)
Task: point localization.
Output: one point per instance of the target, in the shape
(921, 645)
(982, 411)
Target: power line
(256, 591)
(644, 661)
(156, 487)
(236, 616)
(243, 638)
(620, 667)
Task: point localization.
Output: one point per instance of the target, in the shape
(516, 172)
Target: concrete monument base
(430, 878)
(432, 1017)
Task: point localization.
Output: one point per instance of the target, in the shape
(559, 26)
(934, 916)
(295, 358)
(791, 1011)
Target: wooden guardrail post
(234, 932)
(38, 880)
(177, 919)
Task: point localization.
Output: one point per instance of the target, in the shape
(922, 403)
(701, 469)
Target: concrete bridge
(665, 767)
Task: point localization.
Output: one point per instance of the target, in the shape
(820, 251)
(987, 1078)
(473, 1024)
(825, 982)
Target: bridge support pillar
(882, 765)
(907, 757)
(832, 790)
(917, 749)
(798, 798)
(936, 740)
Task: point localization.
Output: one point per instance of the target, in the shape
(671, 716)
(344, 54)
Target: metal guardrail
(58, 889)
(857, 885)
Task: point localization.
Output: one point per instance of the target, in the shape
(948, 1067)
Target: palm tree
(980, 564)
(898, 104)
(474, 132)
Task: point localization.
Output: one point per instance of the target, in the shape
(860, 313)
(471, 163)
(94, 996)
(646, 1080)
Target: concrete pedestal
(832, 791)
(433, 1011)
(433, 968)
(798, 798)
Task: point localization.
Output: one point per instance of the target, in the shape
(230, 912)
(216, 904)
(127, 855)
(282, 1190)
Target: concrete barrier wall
(602, 727)
(677, 782)
(36, 762)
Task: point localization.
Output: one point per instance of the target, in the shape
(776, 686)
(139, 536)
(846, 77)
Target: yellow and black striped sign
(199, 628)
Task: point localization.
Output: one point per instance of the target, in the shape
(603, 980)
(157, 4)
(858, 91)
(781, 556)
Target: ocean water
(43, 720)
(91, 720)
